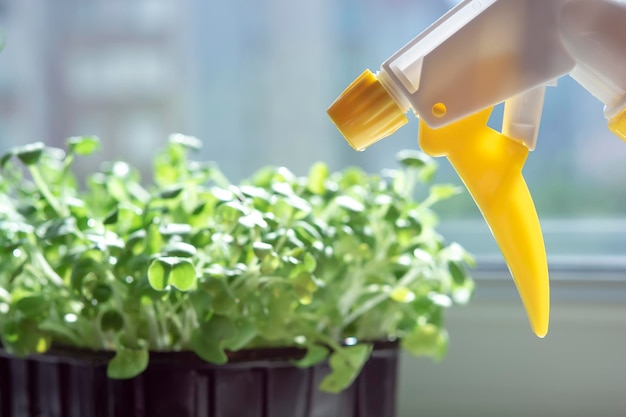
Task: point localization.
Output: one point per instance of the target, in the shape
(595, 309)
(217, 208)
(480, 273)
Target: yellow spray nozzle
(365, 112)
(490, 165)
(617, 125)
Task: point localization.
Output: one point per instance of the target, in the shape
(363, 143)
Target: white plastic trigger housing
(480, 53)
(594, 32)
(522, 116)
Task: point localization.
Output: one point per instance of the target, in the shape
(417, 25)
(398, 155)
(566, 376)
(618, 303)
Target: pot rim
(256, 357)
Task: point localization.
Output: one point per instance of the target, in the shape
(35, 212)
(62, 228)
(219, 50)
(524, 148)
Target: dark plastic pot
(255, 383)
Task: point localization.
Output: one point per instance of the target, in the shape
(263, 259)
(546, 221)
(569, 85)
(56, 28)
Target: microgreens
(195, 262)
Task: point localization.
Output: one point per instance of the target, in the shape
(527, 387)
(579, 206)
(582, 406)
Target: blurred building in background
(112, 68)
(251, 79)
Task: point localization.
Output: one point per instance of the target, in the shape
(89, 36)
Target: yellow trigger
(490, 165)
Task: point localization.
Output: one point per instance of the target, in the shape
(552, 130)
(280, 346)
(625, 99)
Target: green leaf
(164, 173)
(127, 363)
(111, 218)
(318, 173)
(170, 192)
(202, 303)
(314, 355)
(57, 228)
(83, 145)
(306, 232)
(158, 274)
(116, 188)
(461, 294)
(175, 229)
(232, 210)
(413, 158)
(254, 192)
(345, 365)
(440, 300)
(309, 262)
(207, 349)
(5, 295)
(426, 340)
(222, 194)
(261, 249)
(402, 295)
(263, 177)
(23, 337)
(10, 331)
(455, 252)
(306, 282)
(135, 238)
(283, 174)
(61, 331)
(270, 264)
(458, 272)
(282, 209)
(349, 203)
(427, 173)
(189, 142)
(207, 341)
(223, 299)
(245, 331)
(171, 270)
(102, 292)
(444, 191)
(179, 249)
(6, 157)
(183, 275)
(81, 269)
(154, 239)
(279, 305)
(32, 305)
(111, 320)
(253, 219)
(29, 154)
(352, 176)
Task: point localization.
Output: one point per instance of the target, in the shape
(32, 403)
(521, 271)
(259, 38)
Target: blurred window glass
(253, 81)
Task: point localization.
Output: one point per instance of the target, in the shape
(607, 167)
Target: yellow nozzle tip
(490, 165)
(365, 112)
(617, 125)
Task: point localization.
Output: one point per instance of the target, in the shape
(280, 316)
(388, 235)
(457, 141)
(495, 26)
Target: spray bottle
(479, 54)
